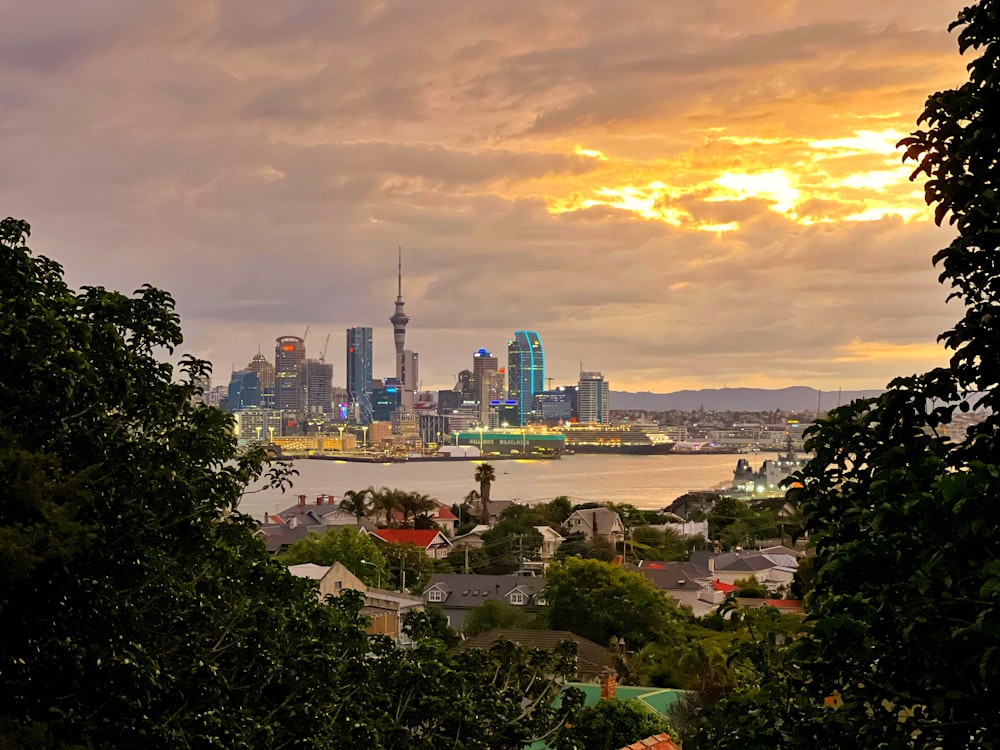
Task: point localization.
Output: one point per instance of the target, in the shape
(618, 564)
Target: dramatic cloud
(679, 194)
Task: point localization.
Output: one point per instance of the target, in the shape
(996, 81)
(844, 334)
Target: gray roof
(591, 659)
(675, 575)
(466, 591)
(753, 561)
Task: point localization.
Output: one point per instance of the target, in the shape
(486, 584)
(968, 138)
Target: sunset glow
(673, 192)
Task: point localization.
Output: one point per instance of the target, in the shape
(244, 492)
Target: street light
(364, 431)
(341, 428)
(378, 573)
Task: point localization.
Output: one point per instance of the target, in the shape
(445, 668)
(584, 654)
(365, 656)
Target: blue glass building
(359, 371)
(525, 372)
(244, 390)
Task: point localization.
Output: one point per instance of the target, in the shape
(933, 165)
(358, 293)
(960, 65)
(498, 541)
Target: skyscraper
(264, 370)
(359, 371)
(399, 320)
(244, 390)
(593, 398)
(289, 352)
(525, 371)
(317, 380)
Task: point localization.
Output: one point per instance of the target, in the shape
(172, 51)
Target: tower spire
(399, 318)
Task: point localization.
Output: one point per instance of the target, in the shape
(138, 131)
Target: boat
(636, 439)
(768, 479)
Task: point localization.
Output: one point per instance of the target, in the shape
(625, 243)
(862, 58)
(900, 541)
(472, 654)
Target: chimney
(302, 501)
(319, 499)
(711, 565)
(593, 521)
(608, 686)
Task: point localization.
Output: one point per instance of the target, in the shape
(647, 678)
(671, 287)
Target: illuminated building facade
(289, 353)
(593, 398)
(525, 372)
(359, 371)
(244, 390)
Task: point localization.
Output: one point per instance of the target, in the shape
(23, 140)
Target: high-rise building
(244, 390)
(289, 353)
(464, 385)
(399, 320)
(484, 370)
(264, 370)
(359, 371)
(409, 377)
(525, 371)
(317, 380)
(593, 398)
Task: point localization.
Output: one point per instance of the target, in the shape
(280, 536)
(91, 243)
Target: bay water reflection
(648, 482)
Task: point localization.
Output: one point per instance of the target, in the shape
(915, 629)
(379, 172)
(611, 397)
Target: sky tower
(399, 320)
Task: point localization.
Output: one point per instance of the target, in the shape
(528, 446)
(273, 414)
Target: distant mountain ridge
(794, 398)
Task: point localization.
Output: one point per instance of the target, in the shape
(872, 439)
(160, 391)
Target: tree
(414, 504)
(598, 600)
(358, 502)
(355, 550)
(140, 609)
(485, 475)
(496, 614)
(904, 613)
(611, 724)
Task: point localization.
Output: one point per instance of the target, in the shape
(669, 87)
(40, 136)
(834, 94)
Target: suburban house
(384, 610)
(472, 539)
(551, 539)
(596, 523)
(441, 515)
(457, 593)
(297, 522)
(434, 544)
(773, 568)
(686, 583)
(592, 660)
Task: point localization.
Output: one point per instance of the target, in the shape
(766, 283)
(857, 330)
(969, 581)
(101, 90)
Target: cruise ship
(630, 439)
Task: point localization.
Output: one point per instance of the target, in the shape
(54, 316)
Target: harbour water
(648, 482)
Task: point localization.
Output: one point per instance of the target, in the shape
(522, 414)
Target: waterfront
(648, 482)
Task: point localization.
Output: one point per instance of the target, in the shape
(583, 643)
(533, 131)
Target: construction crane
(305, 334)
(322, 356)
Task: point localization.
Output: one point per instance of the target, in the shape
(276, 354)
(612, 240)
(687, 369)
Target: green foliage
(611, 724)
(497, 614)
(652, 544)
(485, 475)
(750, 588)
(577, 545)
(358, 502)
(598, 600)
(429, 624)
(904, 610)
(512, 540)
(736, 525)
(140, 610)
(346, 546)
(409, 567)
(138, 607)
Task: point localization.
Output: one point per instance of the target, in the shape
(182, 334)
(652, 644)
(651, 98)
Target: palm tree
(358, 502)
(413, 503)
(387, 502)
(485, 475)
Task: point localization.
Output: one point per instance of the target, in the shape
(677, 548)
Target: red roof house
(432, 542)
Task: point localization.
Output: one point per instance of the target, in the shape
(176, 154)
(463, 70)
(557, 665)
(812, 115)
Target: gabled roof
(422, 538)
(675, 575)
(591, 659)
(466, 591)
(605, 519)
(309, 570)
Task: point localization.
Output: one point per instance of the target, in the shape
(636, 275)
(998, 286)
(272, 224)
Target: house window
(516, 597)
(435, 595)
(338, 585)
(540, 600)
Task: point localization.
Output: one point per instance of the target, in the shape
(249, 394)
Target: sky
(677, 194)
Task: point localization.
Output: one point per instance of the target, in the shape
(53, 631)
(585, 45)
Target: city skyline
(679, 195)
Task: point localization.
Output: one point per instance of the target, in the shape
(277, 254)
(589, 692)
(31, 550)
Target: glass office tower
(525, 372)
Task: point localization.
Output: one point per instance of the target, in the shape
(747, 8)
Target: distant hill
(796, 398)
